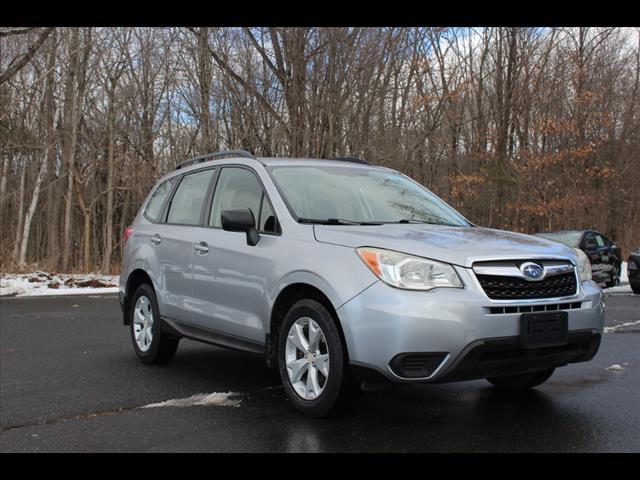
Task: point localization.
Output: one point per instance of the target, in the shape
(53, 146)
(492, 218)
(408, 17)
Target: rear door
(148, 233)
(230, 276)
(175, 244)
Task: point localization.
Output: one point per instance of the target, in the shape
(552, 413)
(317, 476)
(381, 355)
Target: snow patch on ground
(201, 399)
(616, 367)
(42, 283)
(624, 286)
(622, 325)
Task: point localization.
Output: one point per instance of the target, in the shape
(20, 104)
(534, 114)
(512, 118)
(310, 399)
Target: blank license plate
(543, 329)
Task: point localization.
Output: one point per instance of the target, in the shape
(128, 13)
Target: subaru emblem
(532, 270)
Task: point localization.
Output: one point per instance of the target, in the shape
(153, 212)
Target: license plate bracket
(546, 329)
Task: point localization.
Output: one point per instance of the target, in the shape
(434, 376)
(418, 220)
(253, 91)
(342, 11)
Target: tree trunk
(86, 249)
(69, 142)
(108, 241)
(32, 209)
(3, 182)
(53, 197)
(16, 245)
(204, 79)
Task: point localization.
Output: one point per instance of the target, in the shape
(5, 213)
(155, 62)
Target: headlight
(584, 265)
(409, 272)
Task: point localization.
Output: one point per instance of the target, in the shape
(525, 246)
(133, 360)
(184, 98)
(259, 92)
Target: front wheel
(312, 361)
(151, 344)
(521, 381)
(615, 277)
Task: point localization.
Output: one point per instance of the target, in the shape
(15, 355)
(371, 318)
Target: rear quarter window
(153, 210)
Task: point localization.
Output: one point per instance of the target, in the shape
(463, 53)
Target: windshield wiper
(405, 220)
(335, 221)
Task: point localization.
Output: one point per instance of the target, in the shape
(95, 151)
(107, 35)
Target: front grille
(512, 288)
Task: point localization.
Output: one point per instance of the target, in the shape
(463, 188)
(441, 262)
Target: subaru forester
(346, 275)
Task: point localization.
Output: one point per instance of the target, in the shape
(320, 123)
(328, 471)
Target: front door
(230, 276)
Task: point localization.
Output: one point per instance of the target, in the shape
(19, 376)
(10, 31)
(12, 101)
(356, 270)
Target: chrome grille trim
(496, 274)
(510, 268)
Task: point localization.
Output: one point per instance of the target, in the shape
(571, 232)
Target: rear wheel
(150, 343)
(522, 381)
(312, 361)
(636, 288)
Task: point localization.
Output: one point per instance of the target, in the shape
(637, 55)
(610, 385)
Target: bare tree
(521, 128)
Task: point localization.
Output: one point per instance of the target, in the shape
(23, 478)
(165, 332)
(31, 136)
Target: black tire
(636, 288)
(522, 381)
(163, 345)
(615, 277)
(340, 389)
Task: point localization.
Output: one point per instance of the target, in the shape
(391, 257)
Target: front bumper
(633, 274)
(383, 322)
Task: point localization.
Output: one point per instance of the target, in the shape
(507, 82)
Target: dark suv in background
(604, 255)
(633, 270)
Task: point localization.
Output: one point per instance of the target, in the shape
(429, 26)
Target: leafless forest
(519, 128)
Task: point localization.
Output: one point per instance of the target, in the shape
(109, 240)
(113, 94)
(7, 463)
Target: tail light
(127, 233)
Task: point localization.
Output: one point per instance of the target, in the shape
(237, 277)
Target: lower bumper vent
(535, 308)
(416, 365)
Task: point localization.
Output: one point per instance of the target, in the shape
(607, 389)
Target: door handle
(202, 248)
(155, 239)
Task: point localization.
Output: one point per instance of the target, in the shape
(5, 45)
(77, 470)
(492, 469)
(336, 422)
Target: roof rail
(213, 156)
(351, 159)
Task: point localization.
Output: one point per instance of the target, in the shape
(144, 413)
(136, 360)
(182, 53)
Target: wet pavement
(70, 382)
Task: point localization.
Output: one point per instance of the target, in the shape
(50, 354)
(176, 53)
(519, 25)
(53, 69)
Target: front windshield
(571, 239)
(359, 195)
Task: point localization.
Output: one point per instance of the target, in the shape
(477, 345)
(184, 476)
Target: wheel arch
(283, 302)
(136, 278)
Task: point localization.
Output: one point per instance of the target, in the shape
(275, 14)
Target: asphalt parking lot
(70, 382)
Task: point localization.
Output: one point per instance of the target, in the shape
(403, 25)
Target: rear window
(186, 204)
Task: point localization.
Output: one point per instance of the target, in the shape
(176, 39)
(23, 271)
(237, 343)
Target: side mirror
(241, 220)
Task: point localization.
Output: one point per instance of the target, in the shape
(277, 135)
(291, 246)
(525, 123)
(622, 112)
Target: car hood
(457, 245)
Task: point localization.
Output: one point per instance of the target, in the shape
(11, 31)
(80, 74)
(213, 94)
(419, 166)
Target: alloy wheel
(307, 358)
(143, 323)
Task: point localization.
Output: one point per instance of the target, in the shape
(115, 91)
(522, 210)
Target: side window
(589, 241)
(186, 203)
(599, 240)
(239, 188)
(153, 210)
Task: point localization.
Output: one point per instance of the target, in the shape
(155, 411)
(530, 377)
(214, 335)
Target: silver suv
(345, 276)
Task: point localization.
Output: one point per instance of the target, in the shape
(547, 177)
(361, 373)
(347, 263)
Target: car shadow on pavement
(208, 368)
(442, 418)
(467, 416)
